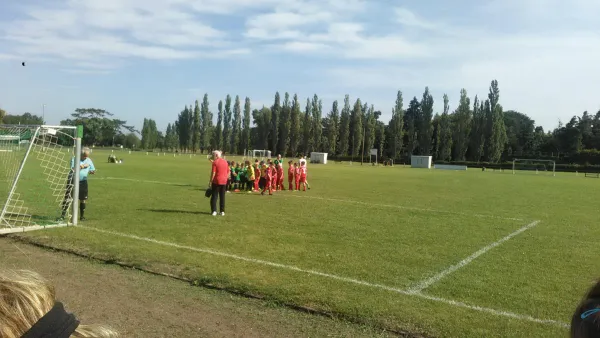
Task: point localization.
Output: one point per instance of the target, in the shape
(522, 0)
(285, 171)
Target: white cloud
(97, 30)
(408, 18)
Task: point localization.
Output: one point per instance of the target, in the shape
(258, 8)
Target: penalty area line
(436, 278)
(491, 311)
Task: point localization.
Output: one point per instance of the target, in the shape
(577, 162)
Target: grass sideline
(393, 227)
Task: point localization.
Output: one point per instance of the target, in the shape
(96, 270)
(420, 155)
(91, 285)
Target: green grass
(386, 226)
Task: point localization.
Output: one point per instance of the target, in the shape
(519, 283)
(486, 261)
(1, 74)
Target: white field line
(494, 312)
(436, 278)
(349, 201)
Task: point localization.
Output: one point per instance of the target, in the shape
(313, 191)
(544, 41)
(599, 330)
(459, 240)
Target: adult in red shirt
(218, 182)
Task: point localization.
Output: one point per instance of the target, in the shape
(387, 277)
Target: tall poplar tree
(344, 139)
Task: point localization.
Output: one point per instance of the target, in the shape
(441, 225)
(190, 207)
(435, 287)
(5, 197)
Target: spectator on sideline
(586, 319)
(218, 181)
(28, 309)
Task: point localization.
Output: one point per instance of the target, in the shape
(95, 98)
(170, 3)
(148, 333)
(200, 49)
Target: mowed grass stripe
(340, 278)
(367, 242)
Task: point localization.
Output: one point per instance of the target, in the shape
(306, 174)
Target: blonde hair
(85, 151)
(25, 297)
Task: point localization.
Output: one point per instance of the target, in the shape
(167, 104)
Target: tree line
(477, 130)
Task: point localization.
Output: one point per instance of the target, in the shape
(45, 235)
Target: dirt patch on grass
(138, 304)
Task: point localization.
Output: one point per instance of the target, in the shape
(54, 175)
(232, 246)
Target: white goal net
(544, 167)
(37, 184)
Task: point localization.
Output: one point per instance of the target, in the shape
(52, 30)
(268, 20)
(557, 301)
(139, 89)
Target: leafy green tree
(145, 134)
(171, 138)
(262, 120)
(100, 129)
(285, 125)
(520, 131)
(344, 138)
(132, 141)
(295, 126)
(219, 128)
(275, 113)
(333, 127)
(357, 127)
(184, 127)
(425, 129)
(411, 123)
(380, 139)
(196, 127)
(236, 126)
(206, 130)
(317, 127)
(396, 127)
(370, 124)
(227, 125)
(496, 129)
(478, 132)
(26, 119)
(437, 134)
(462, 120)
(585, 125)
(569, 137)
(306, 128)
(445, 146)
(246, 125)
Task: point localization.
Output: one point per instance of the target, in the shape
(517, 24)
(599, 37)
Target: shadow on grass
(171, 211)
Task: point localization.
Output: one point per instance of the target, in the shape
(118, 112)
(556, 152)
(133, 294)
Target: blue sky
(149, 58)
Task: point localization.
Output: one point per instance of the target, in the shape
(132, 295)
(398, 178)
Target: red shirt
(221, 170)
(298, 172)
(291, 172)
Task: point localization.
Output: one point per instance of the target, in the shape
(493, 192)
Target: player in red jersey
(280, 176)
(297, 176)
(266, 177)
(291, 174)
(303, 173)
(257, 176)
(274, 177)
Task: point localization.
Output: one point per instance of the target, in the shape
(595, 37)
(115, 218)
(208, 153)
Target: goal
(259, 154)
(532, 165)
(37, 184)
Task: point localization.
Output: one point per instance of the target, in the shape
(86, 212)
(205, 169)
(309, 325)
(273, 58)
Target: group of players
(266, 176)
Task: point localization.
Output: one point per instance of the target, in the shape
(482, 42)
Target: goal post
(534, 165)
(38, 185)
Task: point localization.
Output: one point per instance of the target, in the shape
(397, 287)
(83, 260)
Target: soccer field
(440, 253)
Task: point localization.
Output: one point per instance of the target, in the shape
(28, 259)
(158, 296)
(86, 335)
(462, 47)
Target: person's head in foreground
(28, 309)
(586, 319)
(85, 153)
(217, 154)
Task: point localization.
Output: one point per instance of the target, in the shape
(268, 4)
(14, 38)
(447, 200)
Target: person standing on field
(86, 167)
(218, 181)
